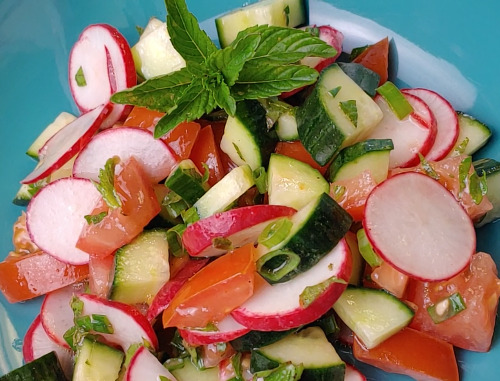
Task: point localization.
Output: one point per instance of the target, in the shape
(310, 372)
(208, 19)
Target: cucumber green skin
(491, 168)
(488, 166)
(327, 225)
(257, 339)
(185, 186)
(45, 368)
(355, 151)
(252, 115)
(367, 79)
(317, 132)
(259, 362)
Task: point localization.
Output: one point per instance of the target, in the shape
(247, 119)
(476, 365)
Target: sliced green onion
(174, 239)
(366, 249)
(276, 264)
(174, 363)
(463, 173)
(174, 204)
(275, 232)
(260, 179)
(478, 187)
(101, 324)
(190, 215)
(427, 167)
(395, 99)
(446, 308)
(84, 322)
(350, 109)
(70, 335)
(76, 306)
(236, 363)
(311, 293)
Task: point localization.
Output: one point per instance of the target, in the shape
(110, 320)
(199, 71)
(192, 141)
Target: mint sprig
(261, 62)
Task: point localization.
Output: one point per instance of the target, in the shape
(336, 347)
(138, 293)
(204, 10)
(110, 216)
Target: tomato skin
(28, 276)
(376, 58)
(413, 353)
(182, 138)
(214, 291)
(205, 151)
(351, 194)
(472, 328)
(121, 225)
(296, 150)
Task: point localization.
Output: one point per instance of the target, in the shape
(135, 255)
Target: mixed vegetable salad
(251, 211)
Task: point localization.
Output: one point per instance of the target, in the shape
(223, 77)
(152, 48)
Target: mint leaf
(106, 185)
(256, 81)
(194, 103)
(223, 98)
(279, 45)
(160, 93)
(188, 39)
(230, 60)
(93, 219)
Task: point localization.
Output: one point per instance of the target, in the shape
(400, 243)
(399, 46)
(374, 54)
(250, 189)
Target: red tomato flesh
(205, 151)
(296, 150)
(376, 58)
(214, 291)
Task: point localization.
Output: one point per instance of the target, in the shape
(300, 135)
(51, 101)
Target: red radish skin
(278, 308)
(55, 217)
(169, 289)
(417, 226)
(446, 122)
(129, 325)
(228, 329)
(411, 135)
(56, 314)
(241, 226)
(352, 374)
(104, 57)
(153, 154)
(37, 343)
(145, 366)
(67, 142)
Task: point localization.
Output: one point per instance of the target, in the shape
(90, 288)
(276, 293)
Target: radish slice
(410, 135)
(228, 329)
(240, 226)
(169, 289)
(129, 325)
(67, 142)
(56, 313)
(145, 366)
(100, 64)
(446, 122)
(278, 308)
(155, 156)
(55, 217)
(37, 343)
(332, 37)
(352, 374)
(417, 226)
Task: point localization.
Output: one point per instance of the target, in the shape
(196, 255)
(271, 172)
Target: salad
(203, 224)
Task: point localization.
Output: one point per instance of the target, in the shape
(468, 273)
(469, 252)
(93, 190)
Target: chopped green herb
(80, 78)
(463, 174)
(460, 148)
(173, 363)
(287, 15)
(93, 219)
(427, 167)
(260, 179)
(139, 29)
(446, 308)
(222, 243)
(350, 110)
(310, 293)
(284, 372)
(478, 187)
(101, 323)
(240, 155)
(335, 91)
(106, 185)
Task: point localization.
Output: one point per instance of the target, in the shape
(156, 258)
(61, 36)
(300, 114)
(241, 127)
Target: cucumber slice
(189, 373)
(293, 183)
(97, 361)
(154, 54)
(186, 181)
(371, 154)
(246, 139)
(473, 134)
(373, 315)
(45, 368)
(225, 192)
(257, 339)
(317, 228)
(141, 268)
(492, 170)
(309, 348)
(63, 119)
(286, 127)
(336, 114)
(291, 13)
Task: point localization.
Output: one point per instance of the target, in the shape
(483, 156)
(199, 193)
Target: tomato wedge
(143, 117)
(121, 225)
(376, 58)
(296, 150)
(182, 139)
(27, 276)
(413, 353)
(213, 292)
(205, 151)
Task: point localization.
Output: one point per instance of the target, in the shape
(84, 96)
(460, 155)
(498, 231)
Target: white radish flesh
(446, 122)
(410, 135)
(67, 142)
(100, 64)
(129, 325)
(56, 313)
(155, 156)
(56, 216)
(37, 343)
(417, 226)
(228, 329)
(144, 366)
